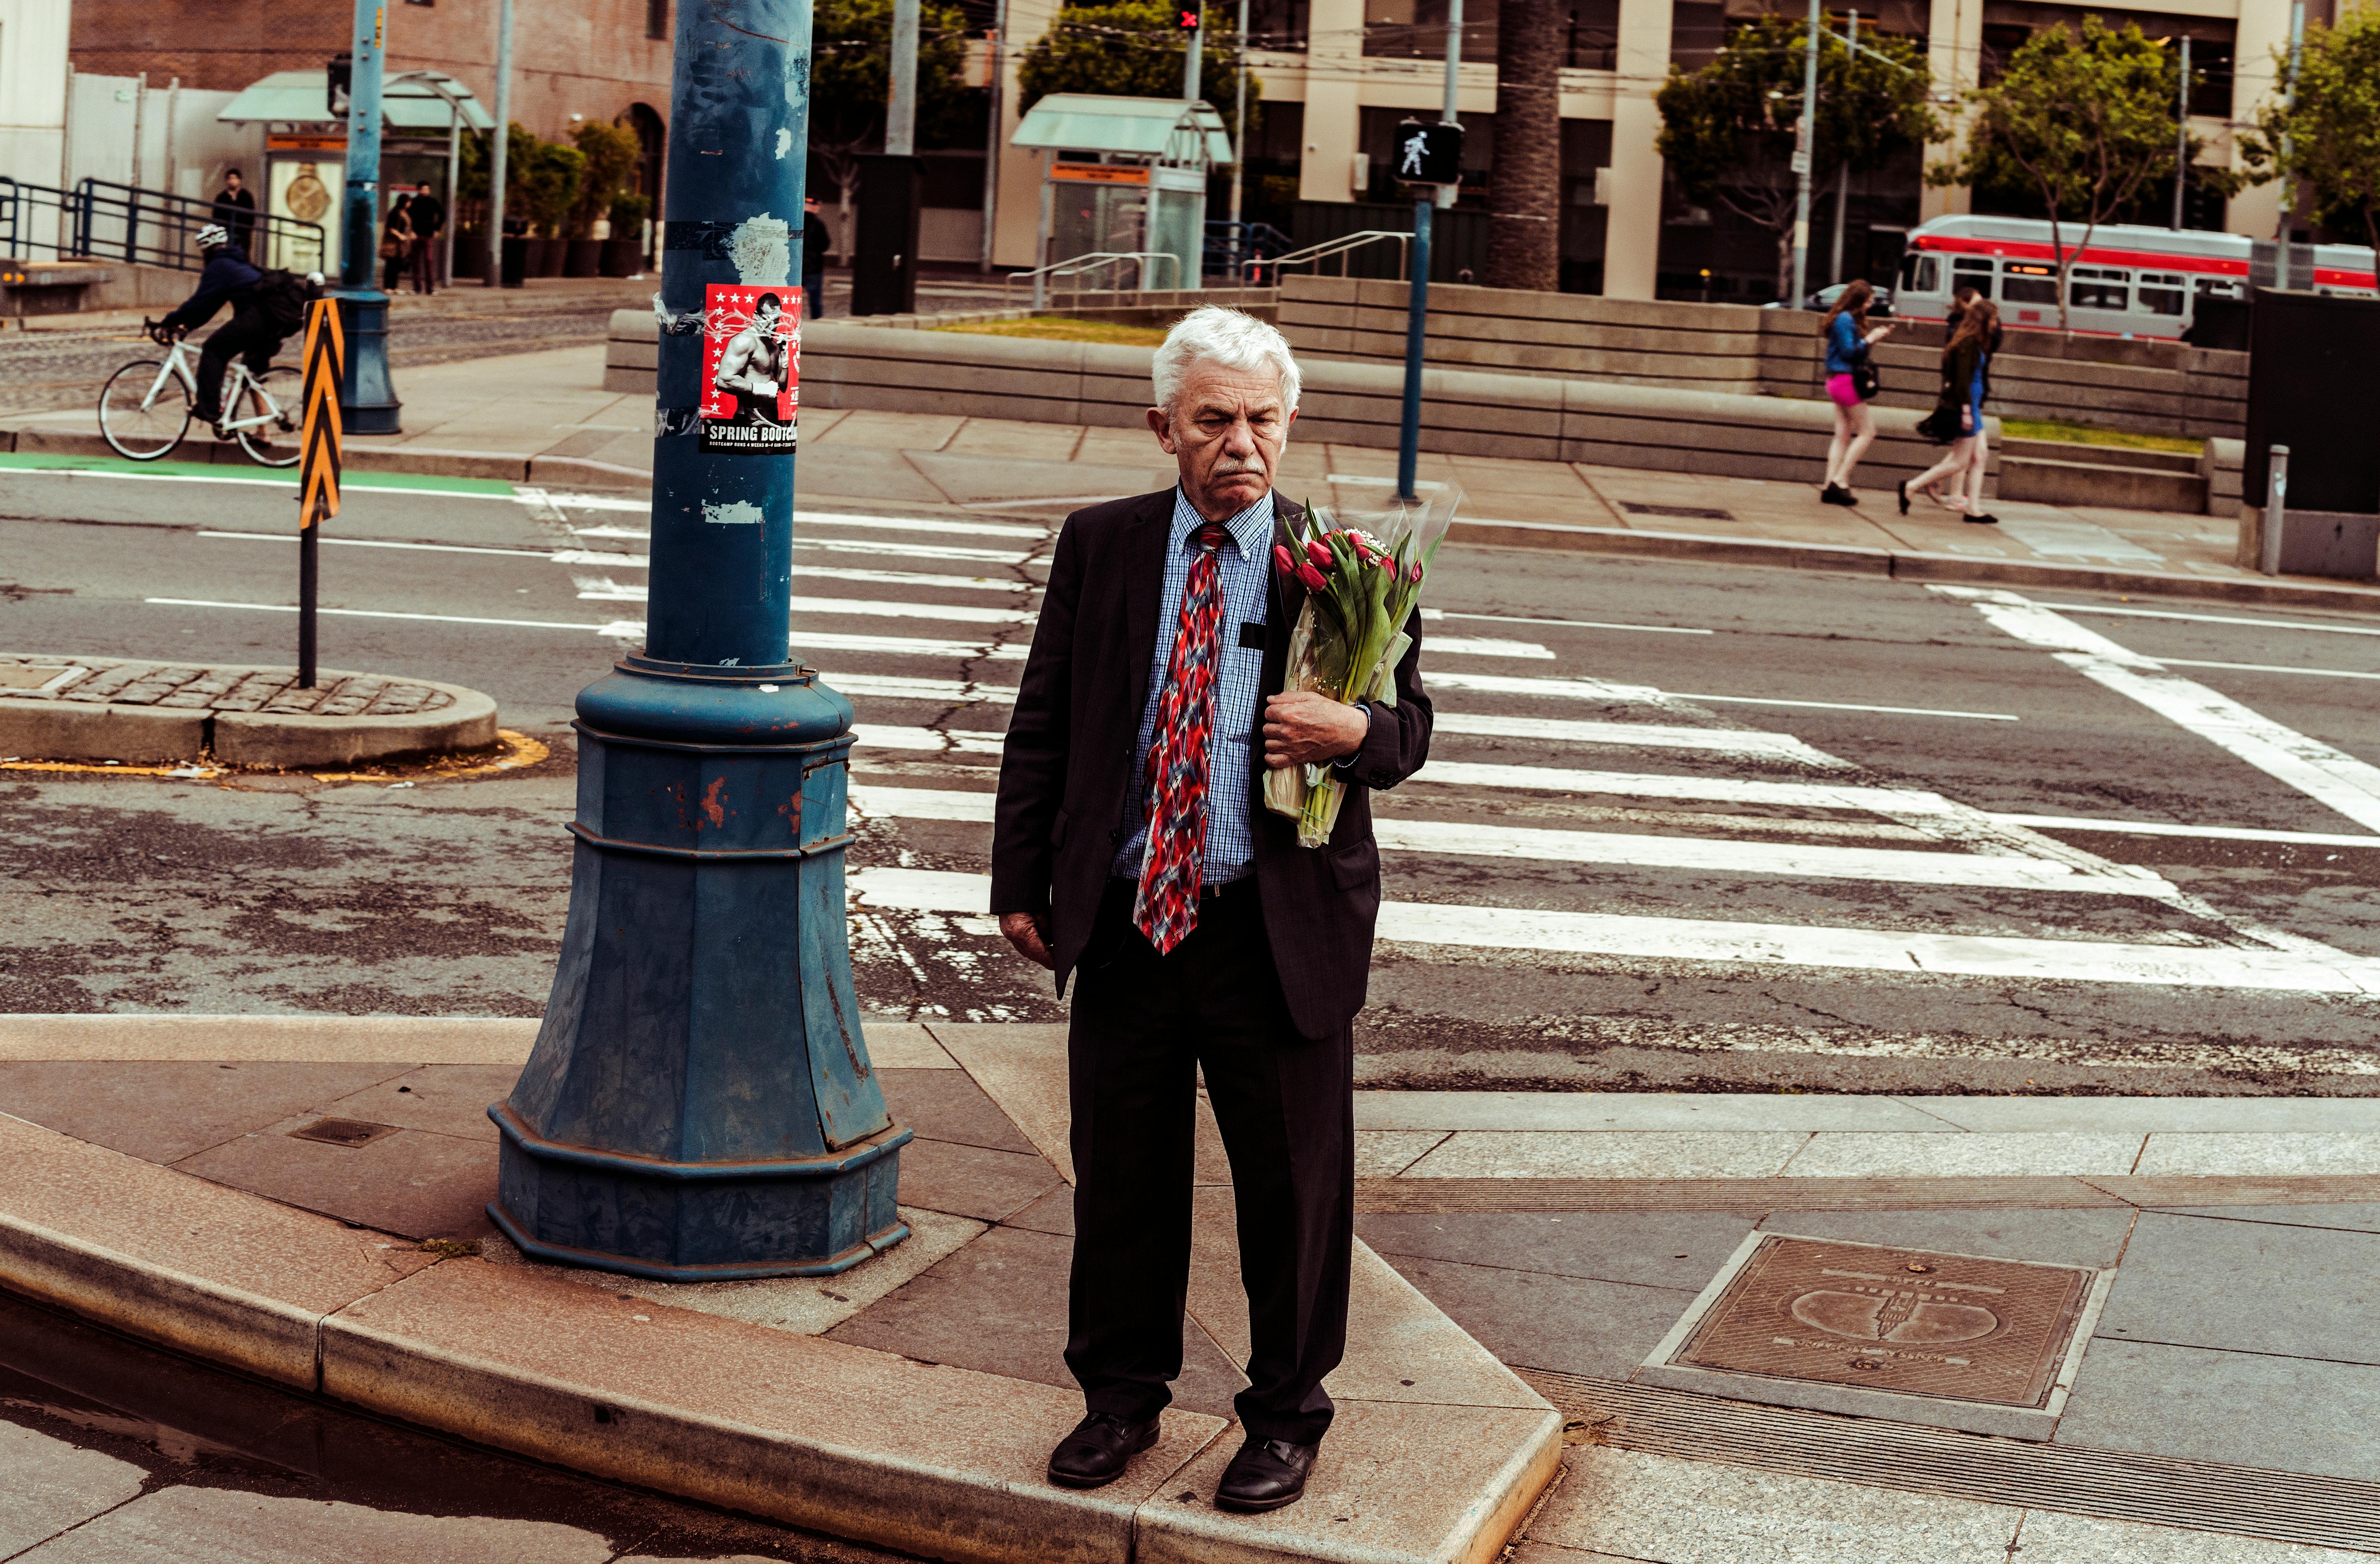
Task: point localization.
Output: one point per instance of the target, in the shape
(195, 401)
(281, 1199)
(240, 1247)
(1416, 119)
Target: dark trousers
(814, 293)
(424, 264)
(1143, 1027)
(248, 333)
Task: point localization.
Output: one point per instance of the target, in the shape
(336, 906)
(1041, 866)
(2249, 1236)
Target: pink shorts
(1839, 387)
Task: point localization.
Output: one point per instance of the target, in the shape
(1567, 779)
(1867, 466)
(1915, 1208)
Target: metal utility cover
(343, 1132)
(1962, 1341)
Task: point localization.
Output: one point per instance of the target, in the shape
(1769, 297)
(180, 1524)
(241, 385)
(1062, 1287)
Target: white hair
(1229, 337)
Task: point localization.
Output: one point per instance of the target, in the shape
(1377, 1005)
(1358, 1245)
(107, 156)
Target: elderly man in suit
(1132, 851)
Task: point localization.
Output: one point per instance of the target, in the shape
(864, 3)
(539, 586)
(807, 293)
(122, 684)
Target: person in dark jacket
(227, 278)
(396, 242)
(1966, 364)
(817, 239)
(428, 215)
(235, 210)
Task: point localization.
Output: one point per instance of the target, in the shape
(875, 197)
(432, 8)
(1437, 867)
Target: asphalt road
(1775, 828)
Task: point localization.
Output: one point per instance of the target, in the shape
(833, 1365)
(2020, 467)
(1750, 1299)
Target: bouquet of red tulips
(1362, 574)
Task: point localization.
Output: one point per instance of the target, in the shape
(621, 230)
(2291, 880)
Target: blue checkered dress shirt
(1241, 565)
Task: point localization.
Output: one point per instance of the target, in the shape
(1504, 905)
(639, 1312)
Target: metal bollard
(2277, 493)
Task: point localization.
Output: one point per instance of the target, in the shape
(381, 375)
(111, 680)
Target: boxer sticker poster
(751, 366)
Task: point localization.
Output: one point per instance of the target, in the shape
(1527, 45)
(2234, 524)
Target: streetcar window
(2162, 292)
(2099, 288)
(2220, 287)
(2027, 282)
(1920, 273)
(1971, 271)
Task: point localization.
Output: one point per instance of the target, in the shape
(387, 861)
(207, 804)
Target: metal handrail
(101, 219)
(1238, 250)
(1077, 266)
(1344, 246)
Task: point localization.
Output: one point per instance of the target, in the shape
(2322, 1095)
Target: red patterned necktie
(1167, 907)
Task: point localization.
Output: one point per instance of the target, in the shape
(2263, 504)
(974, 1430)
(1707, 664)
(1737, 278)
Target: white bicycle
(146, 406)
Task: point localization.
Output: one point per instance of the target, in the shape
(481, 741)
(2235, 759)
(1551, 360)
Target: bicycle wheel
(138, 424)
(277, 395)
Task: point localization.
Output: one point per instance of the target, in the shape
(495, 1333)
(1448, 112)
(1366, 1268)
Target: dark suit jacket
(1065, 772)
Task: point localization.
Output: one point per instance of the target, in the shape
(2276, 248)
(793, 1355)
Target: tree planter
(622, 258)
(545, 256)
(582, 258)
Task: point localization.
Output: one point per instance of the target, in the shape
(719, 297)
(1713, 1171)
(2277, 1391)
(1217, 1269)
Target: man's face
(765, 317)
(231, 181)
(1226, 436)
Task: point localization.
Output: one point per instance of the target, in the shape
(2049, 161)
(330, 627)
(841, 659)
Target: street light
(699, 1105)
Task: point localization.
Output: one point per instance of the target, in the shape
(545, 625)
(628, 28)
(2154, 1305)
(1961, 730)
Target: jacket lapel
(1144, 584)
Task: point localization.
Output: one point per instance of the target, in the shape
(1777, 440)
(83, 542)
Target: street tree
(611, 151)
(851, 79)
(1524, 172)
(2328, 137)
(1728, 130)
(2084, 122)
(1133, 50)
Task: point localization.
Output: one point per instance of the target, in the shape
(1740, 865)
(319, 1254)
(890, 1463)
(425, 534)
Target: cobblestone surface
(101, 679)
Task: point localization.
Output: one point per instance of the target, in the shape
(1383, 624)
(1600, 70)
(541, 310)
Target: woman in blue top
(1848, 341)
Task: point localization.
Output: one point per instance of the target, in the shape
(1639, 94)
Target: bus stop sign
(1429, 154)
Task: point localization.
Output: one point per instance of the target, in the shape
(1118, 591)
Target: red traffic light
(1186, 18)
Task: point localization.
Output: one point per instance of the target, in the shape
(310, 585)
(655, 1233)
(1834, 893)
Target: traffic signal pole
(1425, 201)
(699, 1104)
(1805, 138)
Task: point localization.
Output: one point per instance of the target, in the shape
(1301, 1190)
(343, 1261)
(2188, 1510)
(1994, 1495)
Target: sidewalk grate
(2205, 1496)
(1682, 513)
(344, 1131)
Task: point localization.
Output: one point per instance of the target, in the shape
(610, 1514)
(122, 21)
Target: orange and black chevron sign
(326, 357)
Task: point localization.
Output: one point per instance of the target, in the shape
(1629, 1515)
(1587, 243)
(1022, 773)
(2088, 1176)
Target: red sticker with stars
(751, 366)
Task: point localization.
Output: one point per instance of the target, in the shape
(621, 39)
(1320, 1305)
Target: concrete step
(2101, 455)
(2091, 483)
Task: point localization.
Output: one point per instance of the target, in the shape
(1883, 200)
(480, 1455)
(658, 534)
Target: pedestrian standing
(1957, 416)
(427, 214)
(235, 210)
(395, 243)
(817, 239)
(1850, 385)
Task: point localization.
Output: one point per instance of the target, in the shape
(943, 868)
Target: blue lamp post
(699, 1105)
(368, 401)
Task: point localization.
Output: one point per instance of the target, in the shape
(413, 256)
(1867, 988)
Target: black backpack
(284, 296)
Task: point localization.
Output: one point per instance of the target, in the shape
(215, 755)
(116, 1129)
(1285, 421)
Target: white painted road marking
(2216, 619)
(1428, 614)
(1766, 944)
(1729, 743)
(384, 613)
(1646, 694)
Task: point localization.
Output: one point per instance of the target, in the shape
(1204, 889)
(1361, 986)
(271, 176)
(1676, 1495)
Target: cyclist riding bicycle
(256, 330)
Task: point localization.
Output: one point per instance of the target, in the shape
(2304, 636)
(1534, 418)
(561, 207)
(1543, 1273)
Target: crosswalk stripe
(1728, 743)
(894, 686)
(939, 741)
(1632, 850)
(1489, 646)
(908, 645)
(967, 524)
(1714, 790)
(1606, 692)
(886, 547)
(1759, 944)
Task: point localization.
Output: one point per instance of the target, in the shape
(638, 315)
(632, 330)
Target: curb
(70, 730)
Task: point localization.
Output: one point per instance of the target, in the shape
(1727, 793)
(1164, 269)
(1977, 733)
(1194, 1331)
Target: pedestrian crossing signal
(1187, 18)
(1429, 154)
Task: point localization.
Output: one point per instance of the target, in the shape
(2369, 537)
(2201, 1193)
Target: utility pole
(884, 248)
(2288, 182)
(699, 1105)
(368, 401)
(503, 134)
(2182, 135)
(1844, 169)
(1195, 55)
(992, 136)
(901, 109)
(1804, 138)
(1450, 94)
(1240, 152)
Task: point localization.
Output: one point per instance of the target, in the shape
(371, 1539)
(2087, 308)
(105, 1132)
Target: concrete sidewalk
(2214, 1406)
(544, 419)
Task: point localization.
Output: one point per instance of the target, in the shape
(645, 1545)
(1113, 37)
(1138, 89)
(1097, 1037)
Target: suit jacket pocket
(1058, 829)
(1355, 866)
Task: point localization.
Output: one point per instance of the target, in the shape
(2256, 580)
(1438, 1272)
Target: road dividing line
(2329, 775)
(2002, 957)
(2217, 619)
(2267, 668)
(1632, 850)
(1487, 645)
(1645, 695)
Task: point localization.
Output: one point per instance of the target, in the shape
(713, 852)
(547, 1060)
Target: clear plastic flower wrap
(1363, 571)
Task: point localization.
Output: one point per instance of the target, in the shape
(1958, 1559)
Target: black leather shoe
(1096, 1453)
(1266, 1474)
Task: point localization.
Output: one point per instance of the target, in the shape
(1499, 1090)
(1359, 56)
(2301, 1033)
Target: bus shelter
(1125, 177)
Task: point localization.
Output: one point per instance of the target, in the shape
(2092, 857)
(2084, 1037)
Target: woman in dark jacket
(1966, 364)
(395, 243)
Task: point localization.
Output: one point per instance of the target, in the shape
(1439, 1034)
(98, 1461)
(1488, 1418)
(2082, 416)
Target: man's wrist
(1364, 708)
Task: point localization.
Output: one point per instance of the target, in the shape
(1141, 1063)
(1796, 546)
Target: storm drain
(1962, 1341)
(1684, 512)
(343, 1132)
(2206, 1495)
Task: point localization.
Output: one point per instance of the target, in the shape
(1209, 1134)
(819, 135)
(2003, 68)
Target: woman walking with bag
(1957, 417)
(1851, 385)
(395, 243)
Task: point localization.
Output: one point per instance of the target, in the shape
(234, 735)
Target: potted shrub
(623, 252)
(550, 191)
(607, 153)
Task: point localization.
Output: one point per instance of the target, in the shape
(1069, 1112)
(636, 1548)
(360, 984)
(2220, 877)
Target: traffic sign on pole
(317, 470)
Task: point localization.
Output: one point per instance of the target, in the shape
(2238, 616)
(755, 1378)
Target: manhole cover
(1688, 513)
(1957, 1340)
(343, 1132)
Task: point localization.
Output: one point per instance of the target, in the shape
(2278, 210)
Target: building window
(656, 19)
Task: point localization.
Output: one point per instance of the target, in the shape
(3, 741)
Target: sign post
(1429, 157)
(317, 470)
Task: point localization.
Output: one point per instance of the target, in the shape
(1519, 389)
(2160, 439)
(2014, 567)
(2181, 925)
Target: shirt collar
(1251, 530)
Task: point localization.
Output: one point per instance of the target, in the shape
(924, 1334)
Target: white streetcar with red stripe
(2130, 281)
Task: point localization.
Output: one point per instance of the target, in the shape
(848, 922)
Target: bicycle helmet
(213, 234)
